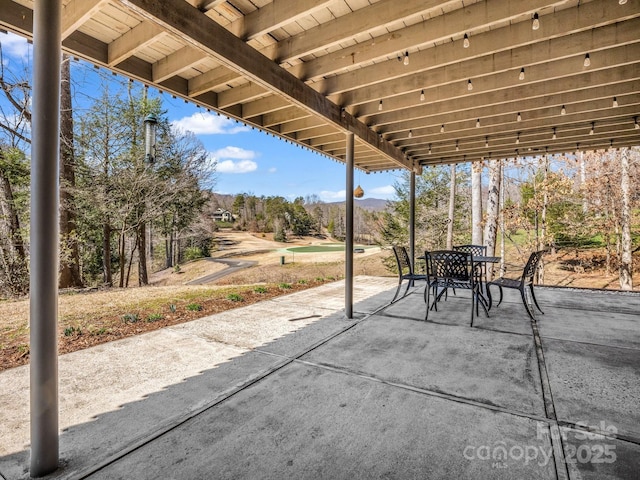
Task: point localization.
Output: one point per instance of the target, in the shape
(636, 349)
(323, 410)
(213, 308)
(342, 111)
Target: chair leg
(534, 299)
(499, 301)
(526, 304)
(427, 296)
(397, 291)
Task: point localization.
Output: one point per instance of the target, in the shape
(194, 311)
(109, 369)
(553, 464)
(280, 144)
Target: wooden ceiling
(395, 73)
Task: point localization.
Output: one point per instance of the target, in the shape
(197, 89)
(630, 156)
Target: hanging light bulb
(611, 145)
(465, 42)
(469, 85)
(517, 154)
(457, 146)
(593, 126)
(410, 133)
(518, 139)
(442, 128)
(429, 149)
(406, 58)
(563, 111)
(636, 125)
(587, 60)
(554, 134)
(380, 106)
(615, 102)
(521, 76)
(358, 192)
(478, 123)
(486, 142)
(422, 95)
(519, 117)
(622, 2)
(535, 25)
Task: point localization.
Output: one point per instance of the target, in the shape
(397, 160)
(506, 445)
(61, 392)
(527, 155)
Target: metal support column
(348, 276)
(412, 219)
(43, 294)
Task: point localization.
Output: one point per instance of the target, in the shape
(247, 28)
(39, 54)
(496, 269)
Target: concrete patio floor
(289, 388)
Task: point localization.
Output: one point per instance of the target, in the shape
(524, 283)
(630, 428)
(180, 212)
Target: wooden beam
(77, 12)
(133, 41)
(176, 63)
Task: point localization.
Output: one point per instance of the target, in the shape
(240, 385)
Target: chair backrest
(402, 258)
(451, 264)
(530, 268)
(475, 250)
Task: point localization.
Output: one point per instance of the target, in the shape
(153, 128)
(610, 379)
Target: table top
(483, 259)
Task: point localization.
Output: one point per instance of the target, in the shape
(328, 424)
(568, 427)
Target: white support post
(43, 293)
(412, 219)
(348, 276)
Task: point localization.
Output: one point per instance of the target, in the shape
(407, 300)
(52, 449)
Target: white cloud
(243, 166)
(207, 123)
(15, 46)
(235, 153)
(386, 190)
(273, 170)
(329, 196)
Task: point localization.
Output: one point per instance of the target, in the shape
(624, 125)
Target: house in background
(221, 215)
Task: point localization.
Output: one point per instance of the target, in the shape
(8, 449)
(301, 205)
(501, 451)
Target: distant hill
(371, 204)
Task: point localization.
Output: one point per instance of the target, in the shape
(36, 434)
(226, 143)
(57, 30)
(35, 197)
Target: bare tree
(493, 209)
(452, 207)
(626, 266)
(476, 203)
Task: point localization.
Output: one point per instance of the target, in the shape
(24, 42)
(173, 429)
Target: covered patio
(387, 395)
(378, 85)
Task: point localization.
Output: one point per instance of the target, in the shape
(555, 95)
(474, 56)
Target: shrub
(194, 307)
(130, 318)
(234, 297)
(72, 331)
(154, 317)
(173, 308)
(260, 290)
(193, 253)
(285, 286)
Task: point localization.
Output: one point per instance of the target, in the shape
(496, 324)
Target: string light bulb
(429, 149)
(554, 134)
(457, 146)
(465, 42)
(410, 133)
(422, 95)
(535, 25)
(615, 102)
(406, 58)
(469, 85)
(518, 139)
(622, 2)
(486, 142)
(380, 106)
(636, 125)
(593, 126)
(587, 60)
(521, 76)
(478, 123)
(563, 111)
(442, 128)
(519, 117)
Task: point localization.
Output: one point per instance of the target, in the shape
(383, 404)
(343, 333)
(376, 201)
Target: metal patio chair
(476, 251)
(520, 284)
(405, 271)
(451, 269)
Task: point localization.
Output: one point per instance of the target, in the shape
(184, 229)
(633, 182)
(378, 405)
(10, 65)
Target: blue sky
(248, 160)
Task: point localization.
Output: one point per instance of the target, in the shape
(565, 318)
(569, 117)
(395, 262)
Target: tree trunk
(493, 208)
(542, 241)
(626, 270)
(143, 278)
(107, 276)
(70, 275)
(583, 181)
(14, 262)
(476, 203)
(452, 207)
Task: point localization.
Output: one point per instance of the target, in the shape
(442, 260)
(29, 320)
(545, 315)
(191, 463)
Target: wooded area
(122, 209)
